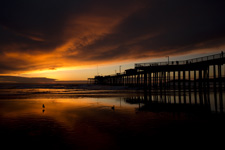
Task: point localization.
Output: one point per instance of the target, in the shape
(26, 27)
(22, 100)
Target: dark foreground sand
(103, 120)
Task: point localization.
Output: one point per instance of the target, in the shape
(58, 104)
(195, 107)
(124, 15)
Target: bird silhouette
(43, 108)
(113, 107)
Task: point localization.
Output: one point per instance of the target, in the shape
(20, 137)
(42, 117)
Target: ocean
(84, 116)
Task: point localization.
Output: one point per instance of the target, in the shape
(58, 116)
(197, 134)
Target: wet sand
(98, 121)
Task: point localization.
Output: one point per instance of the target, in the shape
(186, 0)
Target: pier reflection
(185, 100)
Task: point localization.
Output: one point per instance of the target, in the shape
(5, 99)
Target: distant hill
(18, 79)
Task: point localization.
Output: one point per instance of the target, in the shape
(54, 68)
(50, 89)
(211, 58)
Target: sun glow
(54, 70)
(64, 73)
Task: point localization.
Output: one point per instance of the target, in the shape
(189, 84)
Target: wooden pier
(202, 72)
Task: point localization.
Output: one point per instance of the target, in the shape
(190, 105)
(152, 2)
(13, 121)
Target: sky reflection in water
(80, 120)
(91, 123)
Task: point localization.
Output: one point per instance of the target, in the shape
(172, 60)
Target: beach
(103, 117)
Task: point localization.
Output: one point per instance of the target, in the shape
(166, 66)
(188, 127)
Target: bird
(43, 106)
(113, 107)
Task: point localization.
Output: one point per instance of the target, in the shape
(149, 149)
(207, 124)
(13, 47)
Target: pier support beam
(184, 86)
(145, 80)
(174, 80)
(214, 76)
(220, 76)
(150, 82)
(200, 78)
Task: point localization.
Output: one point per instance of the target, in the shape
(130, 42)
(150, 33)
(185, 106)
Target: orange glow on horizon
(56, 66)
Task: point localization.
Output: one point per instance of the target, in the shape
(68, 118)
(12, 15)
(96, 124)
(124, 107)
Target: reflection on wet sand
(113, 122)
(211, 101)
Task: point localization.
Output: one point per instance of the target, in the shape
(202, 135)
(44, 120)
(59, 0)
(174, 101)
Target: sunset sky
(78, 39)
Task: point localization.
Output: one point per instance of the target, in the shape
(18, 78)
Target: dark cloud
(36, 24)
(167, 25)
(42, 34)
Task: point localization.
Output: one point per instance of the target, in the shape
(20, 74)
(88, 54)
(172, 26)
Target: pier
(203, 72)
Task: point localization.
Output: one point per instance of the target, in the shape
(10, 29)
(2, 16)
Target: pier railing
(183, 62)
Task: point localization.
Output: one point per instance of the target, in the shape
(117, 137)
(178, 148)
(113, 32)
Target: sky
(78, 39)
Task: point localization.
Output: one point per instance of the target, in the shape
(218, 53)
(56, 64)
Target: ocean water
(94, 117)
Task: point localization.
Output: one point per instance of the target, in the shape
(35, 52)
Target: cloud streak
(41, 35)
